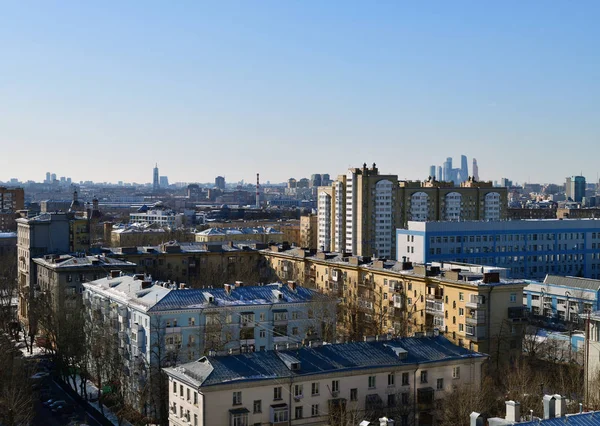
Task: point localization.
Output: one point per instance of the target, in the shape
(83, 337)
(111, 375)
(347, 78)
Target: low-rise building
(138, 234)
(161, 217)
(561, 298)
(529, 248)
(309, 231)
(257, 235)
(333, 385)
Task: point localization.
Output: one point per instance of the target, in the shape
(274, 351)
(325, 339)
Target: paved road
(44, 416)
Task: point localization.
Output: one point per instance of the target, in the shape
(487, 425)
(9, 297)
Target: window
(191, 321)
(295, 315)
(391, 400)
(294, 331)
(461, 296)
(262, 334)
(181, 391)
(354, 394)
(257, 406)
(513, 297)
(237, 398)
(391, 379)
(262, 316)
(456, 373)
(314, 389)
(298, 391)
(175, 388)
(298, 412)
(195, 419)
(314, 410)
(280, 415)
(440, 384)
(461, 312)
(461, 327)
(277, 393)
(405, 398)
(423, 376)
(371, 382)
(188, 394)
(195, 398)
(404, 379)
(239, 419)
(335, 386)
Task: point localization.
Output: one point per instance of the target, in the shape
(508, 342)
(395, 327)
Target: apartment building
(360, 211)
(335, 385)
(37, 236)
(11, 201)
(566, 299)
(474, 306)
(529, 248)
(198, 264)
(156, 322)
(62, 276)
(309, 231)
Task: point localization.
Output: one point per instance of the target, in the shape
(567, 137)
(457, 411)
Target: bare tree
(16, 397)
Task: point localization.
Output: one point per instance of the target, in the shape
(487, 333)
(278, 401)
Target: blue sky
(288, 88)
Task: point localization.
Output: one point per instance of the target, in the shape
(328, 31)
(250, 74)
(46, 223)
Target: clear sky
(103, 90)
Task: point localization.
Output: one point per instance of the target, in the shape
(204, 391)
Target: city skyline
(252, 84)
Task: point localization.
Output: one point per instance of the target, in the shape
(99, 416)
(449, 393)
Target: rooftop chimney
(181, 286)
(513, 411)
(239, 284)
(477, 419)
(228, 288)
(115, 273)
(560, 409)
(549, 407)
(292, 285)
(491, 277)
(146, 284)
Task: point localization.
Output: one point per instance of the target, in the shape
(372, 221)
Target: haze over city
(102, 92)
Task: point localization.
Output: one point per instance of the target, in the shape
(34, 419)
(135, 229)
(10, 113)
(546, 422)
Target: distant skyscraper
(325, 179)
(575, 188)
(52, 177)
(464, 169)
(155, 179)
(440, 174)
(48, 177)
(432, 171)
(220, 182)
(475, 170)
(164, 181)
(315, 180)
(448, 169)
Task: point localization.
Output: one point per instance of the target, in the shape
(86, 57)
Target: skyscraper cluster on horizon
(458, 175)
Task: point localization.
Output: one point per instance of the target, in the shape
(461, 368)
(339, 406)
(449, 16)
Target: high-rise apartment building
(475, 170)
(315, 180)
(155, 179)
(440, 173)
(575, 188)
(164, 181)
(448, 170)
(48, 177)
(360, 211)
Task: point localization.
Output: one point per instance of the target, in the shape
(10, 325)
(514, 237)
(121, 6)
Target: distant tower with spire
(155, 181)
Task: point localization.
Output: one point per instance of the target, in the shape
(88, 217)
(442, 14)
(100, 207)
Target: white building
(326, 385)
(529, 248)
(160, 217)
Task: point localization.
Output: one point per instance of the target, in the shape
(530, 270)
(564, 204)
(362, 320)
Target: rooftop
(239, 231)
(188, 247)
(68, 261)
(166, 296)
(584, 283)
(343, 357)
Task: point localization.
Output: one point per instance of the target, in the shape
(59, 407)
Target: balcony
(476, 318)
(365, 306)
(475, 302)
(518, 313)
(434, 307)
(475, 334)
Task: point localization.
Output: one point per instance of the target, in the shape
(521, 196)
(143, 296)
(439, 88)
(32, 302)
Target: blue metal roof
(329, 358)
(584, 419)
(239, 296)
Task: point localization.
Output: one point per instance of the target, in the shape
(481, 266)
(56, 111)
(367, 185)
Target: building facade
(529, 248)
(309, 231)
(360, 211)
(325, 385)
(159, 217)
(567, 299)
(481, 311)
